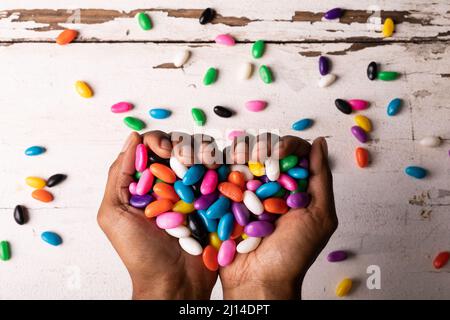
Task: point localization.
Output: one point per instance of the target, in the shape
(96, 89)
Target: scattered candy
(388, 75)
(223, 112)
(5, 251)
(256, 105)
(266, 74)
(344, 287)
(34, 151)
(343, 106)
(42, 195)
(207, 16)
(225, 39)
(181, 58)
(362, 157)
(159, 113)
(357, 104)
(210, 76)
(83, 89)
(66, 37)
(359, 134)
(372, 71)
(144, 21)
(134, 123)
(394, 107)
(51, 238)
(20, 215)
(35, 182)
(441, 259)
(246, 71)
(430, 141)
(121, 107)
(302, 124)
(388, 28)
(324, 66)
(416, 172)
(363, 122)
(337, 256)
(333, 14)
(327, 80)
(258, 49)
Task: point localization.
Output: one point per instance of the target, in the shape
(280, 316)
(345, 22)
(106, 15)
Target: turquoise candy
(34, 151)
(218, 208)
(225, 226)
(267, 190)
(298, 173)
(302, 124)
(210, 224)
(194, 174)
(416, 172)
(159, 113)
(184, 192)
(223, 173)
(394, 107)
(51, 238)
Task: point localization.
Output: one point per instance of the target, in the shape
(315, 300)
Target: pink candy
(145, 183)
(169, 220)
(225, 39)
(252, 185)
(235, 133)
(141, 158)
(121, 107)
(357, 104)
(256, 105)
(209, 182)
(226, 253)
(287, 182)
(132, 188)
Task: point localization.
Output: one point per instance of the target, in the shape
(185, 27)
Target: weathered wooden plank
(282, 21)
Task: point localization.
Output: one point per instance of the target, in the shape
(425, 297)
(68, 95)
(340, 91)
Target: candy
(51, 238)
(253, 185)
(259, 229)
(388, 75)
(163, 172)
(178, 167)
(34, 151)
(121, 107)
(235, 133)
(324, 65)
(441, 259)
(272, 167)
(198, 229)
(157, 207)
(430, 141)
(210, 76)
(183, 207)
(358, 104)
(20, 215)
(245, 71)
(287, 182)
(223, 172)
(237, 231)
(66, 37)
(359, 134)
(140, 202)
(372, 71)
(298, 200)
(333, 14)
(302, 185)
(327, 80)
(302, 124)
(266, 74)
(144, 21)
(181, 58)
(191, 246)
(226, 253)
(56, 179)
(83, 89)
(304, 163)
(134, 123)
(244, 170)
(344, 287)
(194, 174)
(42, 195)
(159, 113)
(218, 208)
(248, 245)
(207, 16)
(225, 39)
(416, 172)
(241, 213)
(214, 240)
(256, 105)
(298, 173)
(253, 203)
(165, 191)
(267, 190)
(209, 258)
(225, 226)
(199, 116)
(244, 236)
(258, 49)
(209, 182)
(145, 182)
(141, 158)
(256, 168)
(5, 251)
(210, 224)
(275, 205)
(343, 106)
(231, 191)
(337, 256)
(388, 28)
(184, 192)
(237, 178)
(362, 157)
(179, 232)
(35, 182)
(169, 220)
(394, 107)
(132, 188)
(204, 201)
(288, 162)
(363, 122)
(223, 112)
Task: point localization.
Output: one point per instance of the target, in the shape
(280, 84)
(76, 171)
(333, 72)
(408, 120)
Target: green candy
(258, 49)
(210, 76)
(144, 21)
(137, 175)
(302, 185)
(387, 75)
(158, 180)
(134, 123)
(280, 194)
(5, 251)
(199, 116)
(266, 74)
(288, 163)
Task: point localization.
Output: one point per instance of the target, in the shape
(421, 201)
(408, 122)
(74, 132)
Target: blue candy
(394, 107)
(225, 226)
(302, 124)
(184, 192)
(218, 208)
(194, 174)
(159, 113)
(210, 224)
(298, 173)
(51, 238)
(416, 172)
(267, 190)
(34, 151)
(223, 172)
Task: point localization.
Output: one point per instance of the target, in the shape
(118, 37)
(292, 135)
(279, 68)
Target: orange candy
(362, 157)
(165, 191)
(237, 178)
(42, 195)
(275, 205)
(232, 191)
(238, 230)
(157, 207)
(163, 172)
(66, 37)
(210, 258)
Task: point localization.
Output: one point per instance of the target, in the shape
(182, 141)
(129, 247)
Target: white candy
(177, 167)
(327, 80)
(191, 246)
(248, 245)
(181, 58)
(245, 71)
(243, 169)
(272, 169)
(179, 232)
(253, 203)
(431, 141)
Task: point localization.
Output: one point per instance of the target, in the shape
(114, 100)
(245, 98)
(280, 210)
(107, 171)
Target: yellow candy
(388, 28)
(183, 207)
(83, 89)
(344, 287)
(214, 240)
(35, 182)
(256, 168)
(244, 236)
(363, 122)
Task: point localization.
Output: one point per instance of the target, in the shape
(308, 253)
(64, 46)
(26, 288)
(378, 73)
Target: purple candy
(304, 163)
(333, 14)
(241, 213)
(267, 217)
(298, 200)
(359, 134)
(204, 201)
(140, 202)
(337, 256)
(324, 66)
(264, 179)
(259, 229)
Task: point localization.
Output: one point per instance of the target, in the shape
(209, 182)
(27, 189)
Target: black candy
(20, 214)
(56, 179)
(198, 229)
(343, 106)
(154, 158)
(207, 16)
(372, 70)
(223, 112)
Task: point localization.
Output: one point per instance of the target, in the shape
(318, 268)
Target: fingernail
(127, 143)
(165, 144)
(324, 145)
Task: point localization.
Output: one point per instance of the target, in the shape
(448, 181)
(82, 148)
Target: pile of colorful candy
(209, 210)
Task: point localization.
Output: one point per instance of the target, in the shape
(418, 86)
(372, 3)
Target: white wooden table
(386, 218)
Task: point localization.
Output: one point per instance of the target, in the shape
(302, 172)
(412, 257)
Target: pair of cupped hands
(160, 269)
